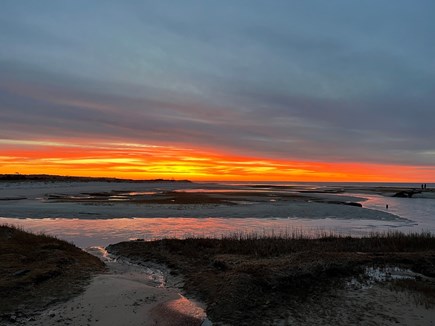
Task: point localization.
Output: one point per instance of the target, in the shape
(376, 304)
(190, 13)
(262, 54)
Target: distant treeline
(48, 177)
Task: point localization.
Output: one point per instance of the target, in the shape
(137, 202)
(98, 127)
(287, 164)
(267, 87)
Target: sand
(269, 204)
(123, 300)
(137, 295)
(127, 294)
(373, 305)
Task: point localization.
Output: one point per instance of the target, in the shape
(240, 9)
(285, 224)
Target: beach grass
(250, 277)
(37, 269)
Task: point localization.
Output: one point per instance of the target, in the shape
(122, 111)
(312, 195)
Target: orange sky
(287, 92)
(143, 161)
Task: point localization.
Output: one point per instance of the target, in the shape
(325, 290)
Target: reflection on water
(87, 233)
(420, 210)
(237, 190)
(181, 311)
(420, 213)
(140, 193)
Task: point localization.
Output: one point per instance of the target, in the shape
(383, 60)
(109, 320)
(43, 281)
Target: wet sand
(252, 280)
(122, 299)
(375, 305)
(104, 200)
(126, 294)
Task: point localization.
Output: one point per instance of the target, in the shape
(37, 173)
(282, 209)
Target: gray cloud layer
(312, 80)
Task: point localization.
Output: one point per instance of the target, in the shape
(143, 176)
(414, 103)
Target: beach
(126, 294)
(248, 280)
(156, 290)
(105, 200)
(222, 163)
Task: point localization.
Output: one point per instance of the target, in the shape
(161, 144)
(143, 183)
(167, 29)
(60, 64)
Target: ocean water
(419, 210)
(418, 214)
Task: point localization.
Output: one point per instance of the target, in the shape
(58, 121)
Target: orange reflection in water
(178, 312)
(102, 232)
(142, 161)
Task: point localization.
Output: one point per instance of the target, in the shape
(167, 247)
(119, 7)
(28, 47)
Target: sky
(282, 90)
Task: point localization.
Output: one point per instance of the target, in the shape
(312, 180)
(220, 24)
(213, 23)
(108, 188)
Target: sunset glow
(225, 140)
(144, 161)
(227, 90)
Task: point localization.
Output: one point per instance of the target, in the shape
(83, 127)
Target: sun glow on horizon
(151, 161)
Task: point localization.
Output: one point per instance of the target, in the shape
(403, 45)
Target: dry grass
(36, 269)
(289, 242)
(423, 291)
(246, 278)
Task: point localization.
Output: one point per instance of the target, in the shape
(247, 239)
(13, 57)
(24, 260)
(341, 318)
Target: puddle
(373, 275)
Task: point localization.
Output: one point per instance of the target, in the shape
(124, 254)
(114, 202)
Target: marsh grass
(422, 291)
(276, 244)
(251, 277)
(36, 265)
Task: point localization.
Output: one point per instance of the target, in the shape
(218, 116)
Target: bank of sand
(127, 294)
(125, 299)
(105, 200)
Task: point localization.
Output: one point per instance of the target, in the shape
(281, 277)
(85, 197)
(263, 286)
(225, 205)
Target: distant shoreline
(64, 178)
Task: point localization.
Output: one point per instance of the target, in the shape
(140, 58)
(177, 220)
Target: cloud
(276, 126)
(335, 82)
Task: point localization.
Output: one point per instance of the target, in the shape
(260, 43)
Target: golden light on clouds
(149, 161)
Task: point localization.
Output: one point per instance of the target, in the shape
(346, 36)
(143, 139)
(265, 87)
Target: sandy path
(126, 295)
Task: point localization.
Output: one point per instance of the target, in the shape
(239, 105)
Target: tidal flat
(243, 279)
(256, 280)
(226, 254)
